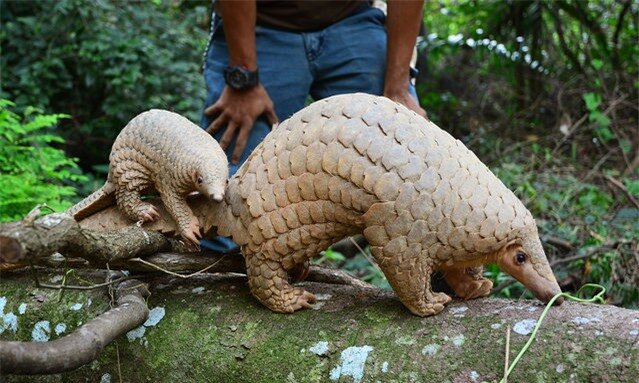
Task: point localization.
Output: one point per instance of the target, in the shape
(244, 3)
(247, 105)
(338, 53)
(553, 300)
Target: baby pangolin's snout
(217, 197)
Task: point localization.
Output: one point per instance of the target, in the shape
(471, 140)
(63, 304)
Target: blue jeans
(346, 57)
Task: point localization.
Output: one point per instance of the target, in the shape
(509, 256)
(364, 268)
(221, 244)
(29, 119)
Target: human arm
(402, 25)
(238, 109)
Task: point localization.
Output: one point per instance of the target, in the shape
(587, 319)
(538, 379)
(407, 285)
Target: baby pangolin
(160, 151)
(359, 163)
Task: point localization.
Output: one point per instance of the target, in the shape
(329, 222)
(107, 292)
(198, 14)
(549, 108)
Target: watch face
(240, 78)
(237, 78)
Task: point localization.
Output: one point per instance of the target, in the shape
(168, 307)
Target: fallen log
(209, 328)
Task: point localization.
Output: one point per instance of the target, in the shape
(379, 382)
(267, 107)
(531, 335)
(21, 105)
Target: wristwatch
(240, 78)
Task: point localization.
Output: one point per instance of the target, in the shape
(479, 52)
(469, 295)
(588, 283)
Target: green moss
(47, 305)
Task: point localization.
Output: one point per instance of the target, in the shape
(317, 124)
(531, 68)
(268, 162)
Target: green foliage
(632, 186)
(32, 169)
(600, 121)
(330, 255)
(565, 35)
(580, 212)
(498, 58)
(104, 62)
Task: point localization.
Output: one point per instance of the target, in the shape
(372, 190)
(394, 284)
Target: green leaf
(597, 64)
(632, 186)
(592, 101)
(605, 134)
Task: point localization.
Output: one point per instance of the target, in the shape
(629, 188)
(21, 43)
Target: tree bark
(213, 330)
(106, 236)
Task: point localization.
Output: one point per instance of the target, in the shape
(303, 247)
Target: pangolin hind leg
(269, 283)
(468, 283)
(128, 189)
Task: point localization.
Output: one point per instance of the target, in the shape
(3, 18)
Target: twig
(560, 243)
(30, 218)
(92, 287)
(112, 304)
(634, 165)
(117, 354)
(591, 252)
(577, 124)
(623, 189)
(595, 168)
(140, 260)
(503, 286)
(507, 354)
(372, 262)
(572, 130)
(596, 298)
(335, 276)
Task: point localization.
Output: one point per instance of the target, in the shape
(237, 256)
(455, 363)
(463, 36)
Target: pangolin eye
(200, 180)
(520, 258)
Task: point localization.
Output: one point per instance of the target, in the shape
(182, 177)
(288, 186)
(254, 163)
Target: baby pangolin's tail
(98, 200)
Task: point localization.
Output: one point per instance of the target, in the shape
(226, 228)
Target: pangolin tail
(98, 200)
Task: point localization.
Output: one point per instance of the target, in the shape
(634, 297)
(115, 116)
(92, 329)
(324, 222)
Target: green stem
(597, 297)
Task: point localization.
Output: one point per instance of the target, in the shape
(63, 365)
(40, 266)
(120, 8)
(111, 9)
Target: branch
(26, 242)
(83, 345)
(562, 41)
(559, 243)
(188, 265)
(616, 183)
(615, 37)
(611, 245)
(576, 11)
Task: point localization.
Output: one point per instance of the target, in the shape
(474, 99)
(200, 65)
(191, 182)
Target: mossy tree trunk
(209, 328)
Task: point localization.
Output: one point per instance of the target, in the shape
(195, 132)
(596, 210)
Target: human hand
(405, 98)
(239, 110)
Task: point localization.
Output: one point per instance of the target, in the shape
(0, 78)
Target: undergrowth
(32, 169)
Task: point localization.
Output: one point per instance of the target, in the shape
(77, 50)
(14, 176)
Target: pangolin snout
(217, 197)
(547, 295)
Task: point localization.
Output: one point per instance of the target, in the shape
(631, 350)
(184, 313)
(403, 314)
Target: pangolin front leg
(268, 281)
(411, 282)
(468, 283)
(187, 223)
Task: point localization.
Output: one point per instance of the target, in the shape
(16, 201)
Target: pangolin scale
(160, 151)
(364, 164)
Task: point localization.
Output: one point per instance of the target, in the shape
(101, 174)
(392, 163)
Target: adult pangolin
(358, 163)
(160, 151)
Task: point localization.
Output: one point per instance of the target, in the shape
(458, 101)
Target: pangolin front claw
(191, 233)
